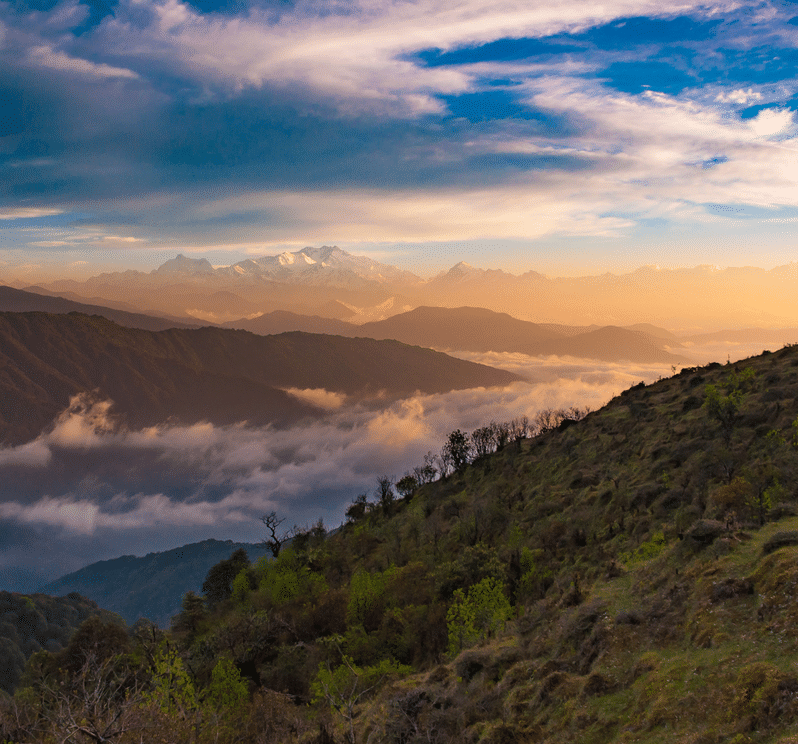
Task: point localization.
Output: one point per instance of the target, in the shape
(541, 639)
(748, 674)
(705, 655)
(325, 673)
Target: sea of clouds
(89, 489)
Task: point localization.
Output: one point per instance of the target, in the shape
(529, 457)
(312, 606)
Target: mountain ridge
(671, 297)
(220, 375)
(150, 586)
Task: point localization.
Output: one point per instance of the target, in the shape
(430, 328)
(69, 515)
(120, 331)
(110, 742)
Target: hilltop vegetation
(626, 577)
(36, 622)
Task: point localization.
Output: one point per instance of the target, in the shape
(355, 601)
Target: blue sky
(562, 136)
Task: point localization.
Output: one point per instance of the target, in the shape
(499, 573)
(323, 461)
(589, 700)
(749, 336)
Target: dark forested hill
(213, 374)
(30, 623)
(150, 586)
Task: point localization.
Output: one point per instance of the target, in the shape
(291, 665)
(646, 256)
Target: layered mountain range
(312, 280)
(481, 330)
(207, 374)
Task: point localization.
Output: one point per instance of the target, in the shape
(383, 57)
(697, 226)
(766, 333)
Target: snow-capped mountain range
(330, 282)
(327, 265)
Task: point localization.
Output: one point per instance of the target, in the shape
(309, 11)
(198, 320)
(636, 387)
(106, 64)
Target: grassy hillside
(628, 577)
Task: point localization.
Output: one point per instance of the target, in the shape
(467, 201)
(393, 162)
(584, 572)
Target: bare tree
(99, 705)
(274, 541)
(501, 433)
(484, 440)
(519, 429)
(426, 473)
(385, 493)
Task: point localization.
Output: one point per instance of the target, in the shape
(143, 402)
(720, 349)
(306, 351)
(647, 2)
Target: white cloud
(356, 57)
(772, 121)
(27, 213)
(318, 397)
(301, 471)
(122, 239)
(32, 454)
(649, 155)
(738, 96)
(80, 517)
(47, 57)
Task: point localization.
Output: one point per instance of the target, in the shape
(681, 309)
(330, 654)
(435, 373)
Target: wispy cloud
(385, 122)
(27, 213)
(53, 59)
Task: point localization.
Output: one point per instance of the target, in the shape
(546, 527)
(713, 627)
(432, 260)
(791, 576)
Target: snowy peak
(295, 259)
(318, 266)
(182, 265)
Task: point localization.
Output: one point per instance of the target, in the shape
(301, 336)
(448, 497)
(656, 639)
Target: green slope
(36, 622)
(629, 577)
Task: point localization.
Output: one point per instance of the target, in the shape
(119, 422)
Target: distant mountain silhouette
(151, 586)
(282, 321)
(22, 301)
(462, 328)
(478, 329)
(212, 374)
(655, 331)
(313, 279)
(335, 309)
(778, 336)
(610, 344)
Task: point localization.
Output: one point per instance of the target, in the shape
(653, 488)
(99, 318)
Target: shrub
(480, 613)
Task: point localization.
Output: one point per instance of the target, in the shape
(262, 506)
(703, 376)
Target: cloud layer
(198, 126)
(97, 490)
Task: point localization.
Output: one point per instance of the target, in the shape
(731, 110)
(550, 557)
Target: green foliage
(172, 689)
(29, 624)
(241, 587)
(597, 650)
(287, 578)
(533, 575)
(192, 613)
(367, 595)
(478, 614)
(406, 486)
(345, 685)
(218, 584)
(227, 691)
(724, 408)
(646, 550)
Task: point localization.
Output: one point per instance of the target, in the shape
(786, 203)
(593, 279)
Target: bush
(482, 612)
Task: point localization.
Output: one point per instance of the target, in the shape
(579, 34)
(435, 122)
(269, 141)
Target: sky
(565, 137)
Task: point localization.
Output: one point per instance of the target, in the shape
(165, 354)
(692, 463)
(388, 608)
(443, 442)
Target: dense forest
(623, 575)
